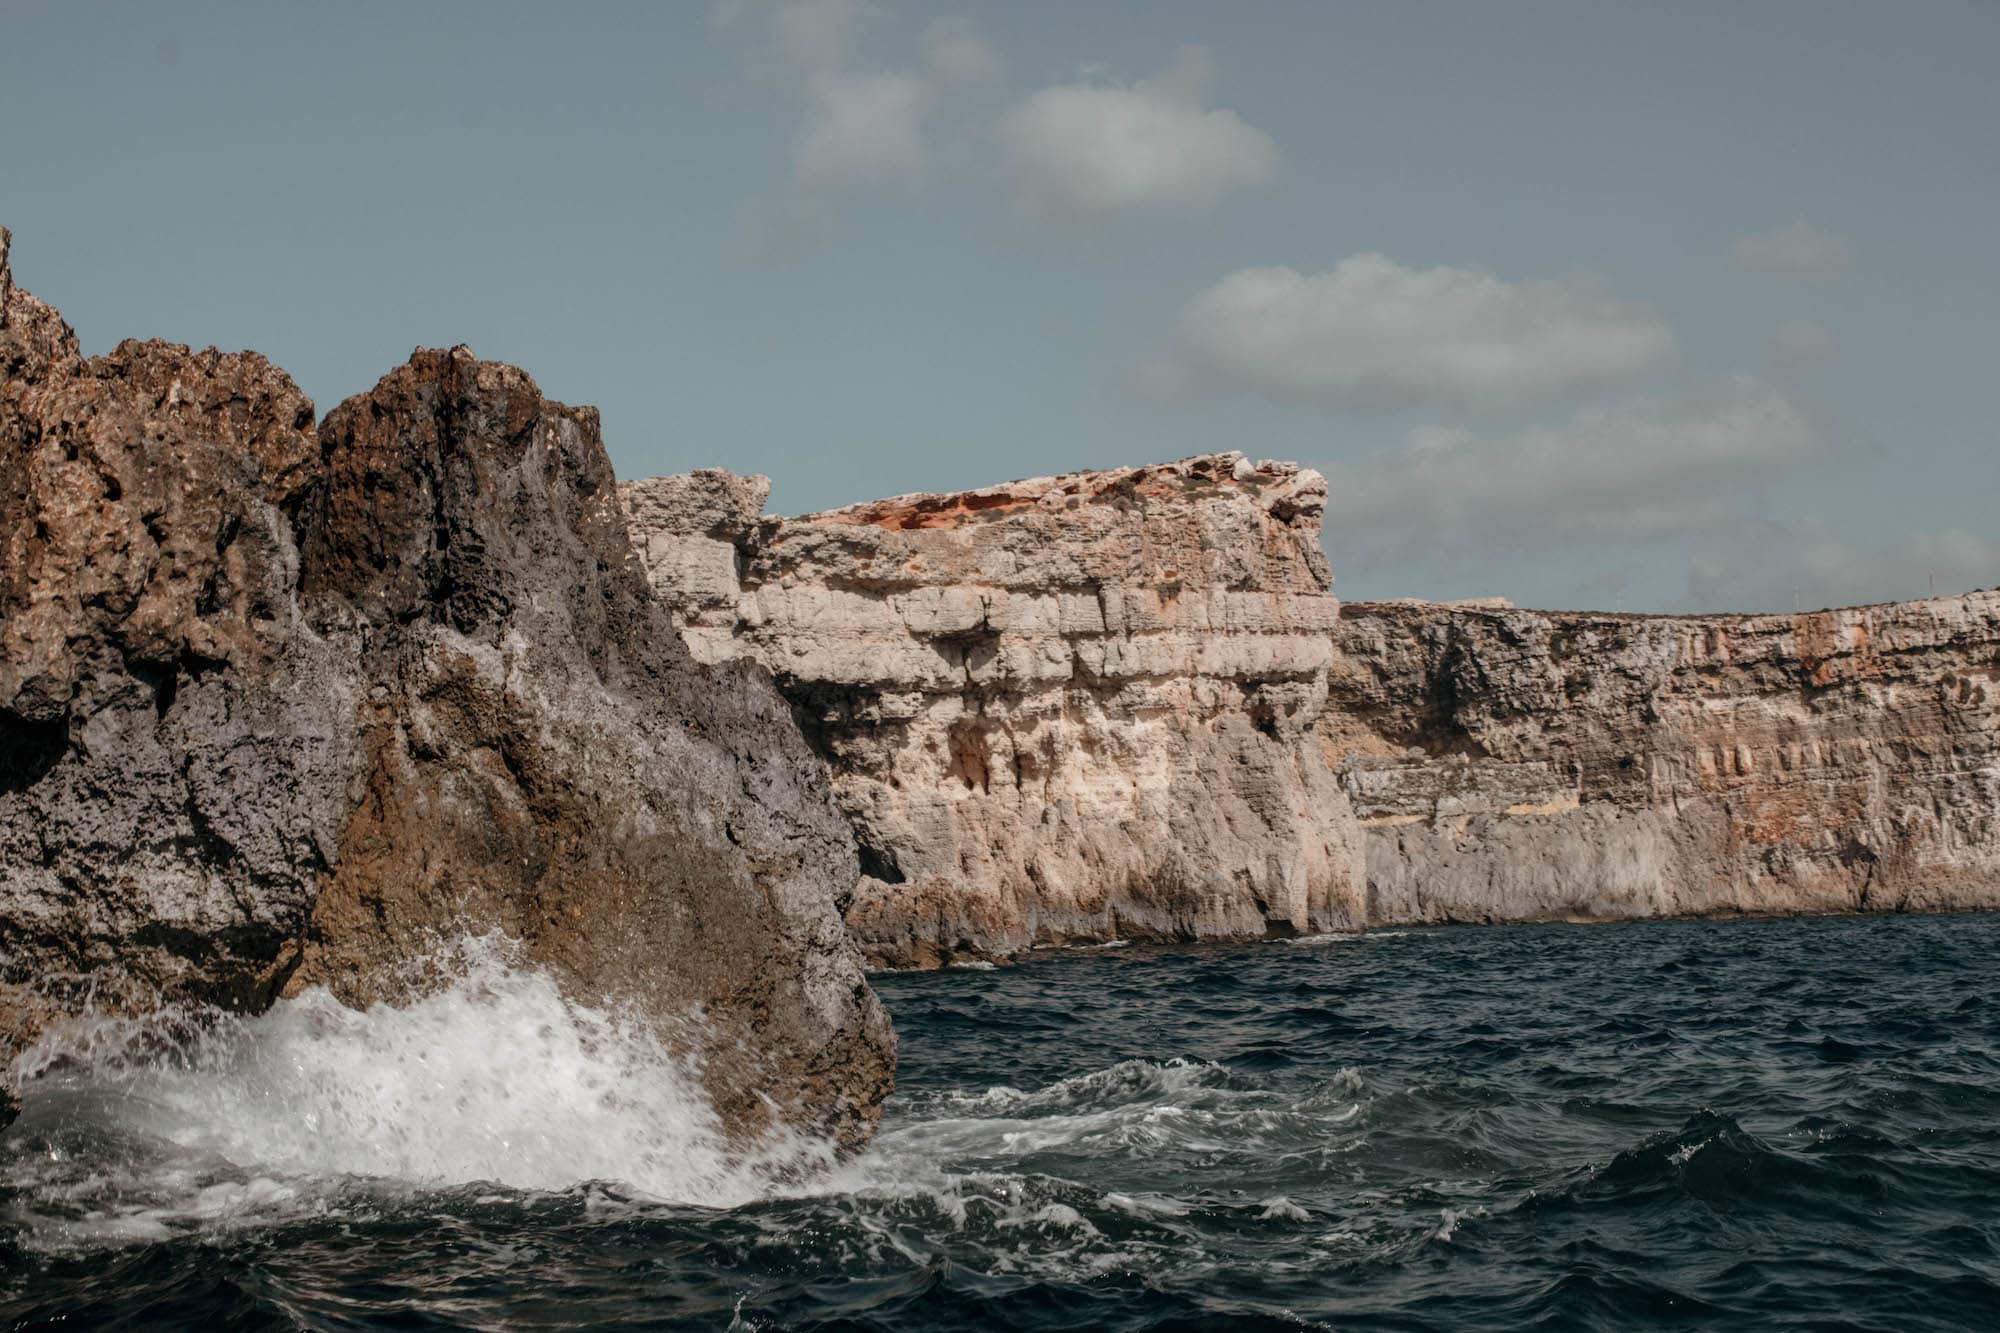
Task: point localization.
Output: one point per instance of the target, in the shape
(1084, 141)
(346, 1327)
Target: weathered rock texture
(284, 706)
(1125, 703)
(1074, 707)
(1516, 765)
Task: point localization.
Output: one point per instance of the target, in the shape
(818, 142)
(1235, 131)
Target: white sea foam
(1449, 1220)
(496, 1077)
(1123, 1083)
(496, 1084)
(1344, 937)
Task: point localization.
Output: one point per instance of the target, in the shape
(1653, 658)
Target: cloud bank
(1069, 154)
(1638, 471)
(1374, 336)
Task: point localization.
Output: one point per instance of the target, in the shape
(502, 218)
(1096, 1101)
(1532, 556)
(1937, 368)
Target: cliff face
(1511, 765)
(1073, 707)
(283, 706)
(1124, 703)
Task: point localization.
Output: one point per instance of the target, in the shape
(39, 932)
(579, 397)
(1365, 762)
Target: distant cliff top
(1302, 490)
(1215, 521)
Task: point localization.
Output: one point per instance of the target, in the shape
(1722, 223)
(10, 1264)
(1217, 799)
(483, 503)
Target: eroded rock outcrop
(284, 705)
(1075, 707)
(1516, 765)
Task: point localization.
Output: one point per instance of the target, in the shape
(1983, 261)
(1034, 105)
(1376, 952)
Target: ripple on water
(1606, 1127)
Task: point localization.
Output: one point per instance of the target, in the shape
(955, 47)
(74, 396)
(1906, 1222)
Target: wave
(497, 1078)
(1832, 1170)
(1480, 1131)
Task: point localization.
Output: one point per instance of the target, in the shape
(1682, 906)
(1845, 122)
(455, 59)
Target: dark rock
(281, 706)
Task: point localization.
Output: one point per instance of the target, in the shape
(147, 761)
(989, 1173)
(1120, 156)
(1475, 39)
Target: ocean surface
(1752, 1124)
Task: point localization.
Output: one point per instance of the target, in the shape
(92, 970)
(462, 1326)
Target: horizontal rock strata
(1515, 765)
(1068, 708)
(1125, 703)
(285, 704)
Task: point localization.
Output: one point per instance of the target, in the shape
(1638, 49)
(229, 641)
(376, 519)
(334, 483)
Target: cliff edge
(1067, 708)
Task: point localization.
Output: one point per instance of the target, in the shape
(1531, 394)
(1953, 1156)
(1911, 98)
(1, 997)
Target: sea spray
(493, 1076)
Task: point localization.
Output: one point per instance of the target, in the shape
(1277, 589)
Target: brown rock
(544, 757)
(281, 706)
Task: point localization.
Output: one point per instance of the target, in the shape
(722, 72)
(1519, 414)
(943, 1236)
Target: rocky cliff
(1125, 703)
(1514, 765)
(285, 704)
(1075, 707)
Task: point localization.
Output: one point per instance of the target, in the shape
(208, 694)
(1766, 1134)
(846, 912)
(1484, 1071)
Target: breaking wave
(192, 1118)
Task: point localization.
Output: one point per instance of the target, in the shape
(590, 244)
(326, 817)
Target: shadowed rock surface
(1068, 708)
(283, 706)
(1515, 765)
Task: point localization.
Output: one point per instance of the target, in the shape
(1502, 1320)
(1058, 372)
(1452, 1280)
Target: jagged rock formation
(1073, 707)
(283, 706)
(1516, 765)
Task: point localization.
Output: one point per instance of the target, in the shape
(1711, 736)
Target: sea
(1744, 1124)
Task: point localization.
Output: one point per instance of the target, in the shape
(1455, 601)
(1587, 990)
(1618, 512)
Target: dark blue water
(1745, 1124)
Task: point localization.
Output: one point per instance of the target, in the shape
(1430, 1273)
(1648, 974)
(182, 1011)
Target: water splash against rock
(189, 1118)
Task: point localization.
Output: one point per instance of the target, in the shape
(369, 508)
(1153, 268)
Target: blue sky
(1643, 306)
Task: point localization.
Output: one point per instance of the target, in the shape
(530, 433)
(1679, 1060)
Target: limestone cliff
(1511, 765)
(1075, 707)
(284, 705)
(1125, 703)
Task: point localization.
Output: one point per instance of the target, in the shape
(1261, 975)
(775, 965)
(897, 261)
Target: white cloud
(1636, 472)
(1808, 566)
(859, 126)
(861, 129)
(1798, 249)
(1803, 343)
(1080, 151)
(1372, 335)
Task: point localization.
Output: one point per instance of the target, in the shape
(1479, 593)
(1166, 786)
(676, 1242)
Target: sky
(1595, 305)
